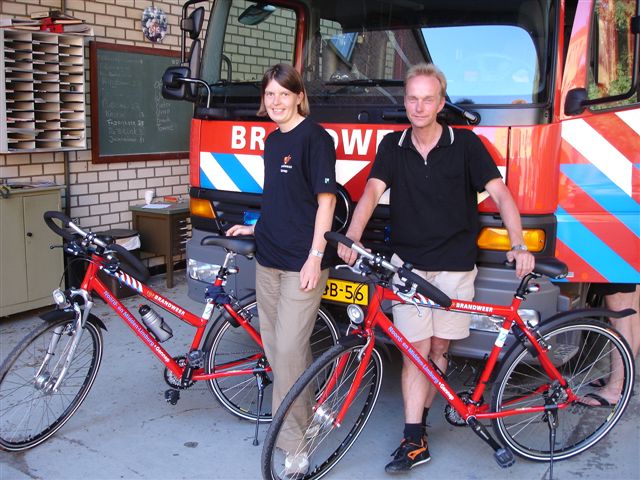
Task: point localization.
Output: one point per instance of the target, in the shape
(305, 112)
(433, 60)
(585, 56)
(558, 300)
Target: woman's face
(282, 105)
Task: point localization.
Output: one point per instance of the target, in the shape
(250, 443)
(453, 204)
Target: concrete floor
(125, 429)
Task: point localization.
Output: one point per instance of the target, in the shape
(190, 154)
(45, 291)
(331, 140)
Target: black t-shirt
(434, 211)
(298, 165)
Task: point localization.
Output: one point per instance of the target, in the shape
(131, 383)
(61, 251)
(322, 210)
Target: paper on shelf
(157, 205)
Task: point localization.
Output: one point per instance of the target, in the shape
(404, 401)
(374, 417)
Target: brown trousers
(287, 316)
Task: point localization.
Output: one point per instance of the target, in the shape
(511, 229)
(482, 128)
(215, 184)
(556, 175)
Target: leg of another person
(629, 328)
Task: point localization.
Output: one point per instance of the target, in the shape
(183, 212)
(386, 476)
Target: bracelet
(520, 247)
(316, 253)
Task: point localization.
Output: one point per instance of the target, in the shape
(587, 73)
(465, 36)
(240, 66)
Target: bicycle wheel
(299, 430)
(583, 351)
(233, 348)
(30, 411)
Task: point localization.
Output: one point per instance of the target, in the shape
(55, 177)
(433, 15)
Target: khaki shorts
(421, 323)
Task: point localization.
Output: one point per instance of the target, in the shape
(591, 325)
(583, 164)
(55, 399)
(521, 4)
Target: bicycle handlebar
(423, 286)
(133, 266)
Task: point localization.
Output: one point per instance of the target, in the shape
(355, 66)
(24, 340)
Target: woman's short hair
(289, 78)
(428, 70)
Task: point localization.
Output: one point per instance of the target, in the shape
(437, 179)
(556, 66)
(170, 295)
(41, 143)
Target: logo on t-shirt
(285, 167)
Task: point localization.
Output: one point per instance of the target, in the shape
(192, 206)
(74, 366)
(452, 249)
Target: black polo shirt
(434, 211)
(298, 165)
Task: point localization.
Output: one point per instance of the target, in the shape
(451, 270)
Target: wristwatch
(316, 253)
(520, 247)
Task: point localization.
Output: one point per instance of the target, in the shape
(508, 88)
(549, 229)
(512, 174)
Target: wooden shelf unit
(42, 104)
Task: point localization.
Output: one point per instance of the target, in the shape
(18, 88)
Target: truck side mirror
(195, 55)
(256, 14)
(173, 84)
(193, 24)
(574, 103)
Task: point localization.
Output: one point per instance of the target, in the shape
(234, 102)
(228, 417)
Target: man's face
(422, 100)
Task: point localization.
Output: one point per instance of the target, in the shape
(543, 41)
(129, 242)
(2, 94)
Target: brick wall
(101, 194)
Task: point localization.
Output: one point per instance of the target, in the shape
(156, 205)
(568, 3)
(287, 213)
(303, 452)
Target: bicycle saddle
(551, 267)
(242, 244)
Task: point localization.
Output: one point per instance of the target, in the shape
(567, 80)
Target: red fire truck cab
(550, 86)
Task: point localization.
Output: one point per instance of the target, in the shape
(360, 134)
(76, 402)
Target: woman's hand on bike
(525, 261)
(241, 230)
(310, 273)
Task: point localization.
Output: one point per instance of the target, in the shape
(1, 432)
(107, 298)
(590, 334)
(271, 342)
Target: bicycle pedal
(172, 396)
(504, 457)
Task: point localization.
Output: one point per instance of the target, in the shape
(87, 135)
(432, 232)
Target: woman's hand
(240, 230)
(310, 273)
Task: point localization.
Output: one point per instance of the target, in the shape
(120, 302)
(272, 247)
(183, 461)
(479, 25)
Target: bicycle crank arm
(503, 456)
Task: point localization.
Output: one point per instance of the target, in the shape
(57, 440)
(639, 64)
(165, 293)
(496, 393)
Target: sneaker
(408, 455)
(296, 464)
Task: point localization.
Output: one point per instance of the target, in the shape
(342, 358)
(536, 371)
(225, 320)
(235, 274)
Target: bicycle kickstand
(551, 417)
(262, 381)
(261, 386)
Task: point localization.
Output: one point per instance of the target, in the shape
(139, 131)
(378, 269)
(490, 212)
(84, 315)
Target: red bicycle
(534, 408)
(47, 376)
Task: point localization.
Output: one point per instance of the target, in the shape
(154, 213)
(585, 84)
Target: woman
(297, 209)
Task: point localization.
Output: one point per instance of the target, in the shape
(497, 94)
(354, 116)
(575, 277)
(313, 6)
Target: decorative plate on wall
(154, 24)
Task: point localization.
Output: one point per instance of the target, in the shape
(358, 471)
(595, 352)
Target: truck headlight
(491, 324)
(204, 272)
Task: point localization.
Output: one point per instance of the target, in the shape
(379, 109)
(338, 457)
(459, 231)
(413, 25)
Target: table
(163, 231)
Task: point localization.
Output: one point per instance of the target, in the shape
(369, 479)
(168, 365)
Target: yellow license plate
(346, 292)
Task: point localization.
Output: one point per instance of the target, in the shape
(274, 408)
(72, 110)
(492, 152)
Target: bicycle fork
(44, 379)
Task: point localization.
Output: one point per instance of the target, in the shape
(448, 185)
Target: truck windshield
(492, 52)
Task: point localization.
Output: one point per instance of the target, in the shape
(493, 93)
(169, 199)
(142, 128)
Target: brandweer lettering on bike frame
(168, 304)
(135, 325)
(475, 308)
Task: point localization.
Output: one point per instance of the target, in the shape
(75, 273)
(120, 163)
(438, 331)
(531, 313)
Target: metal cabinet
(29, 269)
(163, 231)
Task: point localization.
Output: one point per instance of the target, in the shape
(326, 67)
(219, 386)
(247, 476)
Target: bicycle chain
(176, 383)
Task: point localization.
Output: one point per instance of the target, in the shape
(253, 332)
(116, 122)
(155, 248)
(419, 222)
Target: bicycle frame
(91, 283)
(474, 409)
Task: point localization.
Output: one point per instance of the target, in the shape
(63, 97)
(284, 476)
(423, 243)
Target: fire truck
(550, 87)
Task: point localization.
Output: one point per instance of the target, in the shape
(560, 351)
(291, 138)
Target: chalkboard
(130, 120)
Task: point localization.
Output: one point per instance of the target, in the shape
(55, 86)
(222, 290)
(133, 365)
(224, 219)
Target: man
(434, 173)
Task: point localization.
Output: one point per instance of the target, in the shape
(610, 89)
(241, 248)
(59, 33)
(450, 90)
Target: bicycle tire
(324, 443)
(30, 413)
(581, 350)
(238, 393)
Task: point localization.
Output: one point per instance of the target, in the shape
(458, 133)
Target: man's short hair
(428, 70)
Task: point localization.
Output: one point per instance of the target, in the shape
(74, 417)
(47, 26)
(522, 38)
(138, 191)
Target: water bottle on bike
(155, 323)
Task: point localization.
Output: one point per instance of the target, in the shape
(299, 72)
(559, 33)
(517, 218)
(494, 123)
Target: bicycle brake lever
(407, 295)
(355, 268)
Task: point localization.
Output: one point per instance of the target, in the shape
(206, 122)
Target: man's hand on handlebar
(347, 254)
